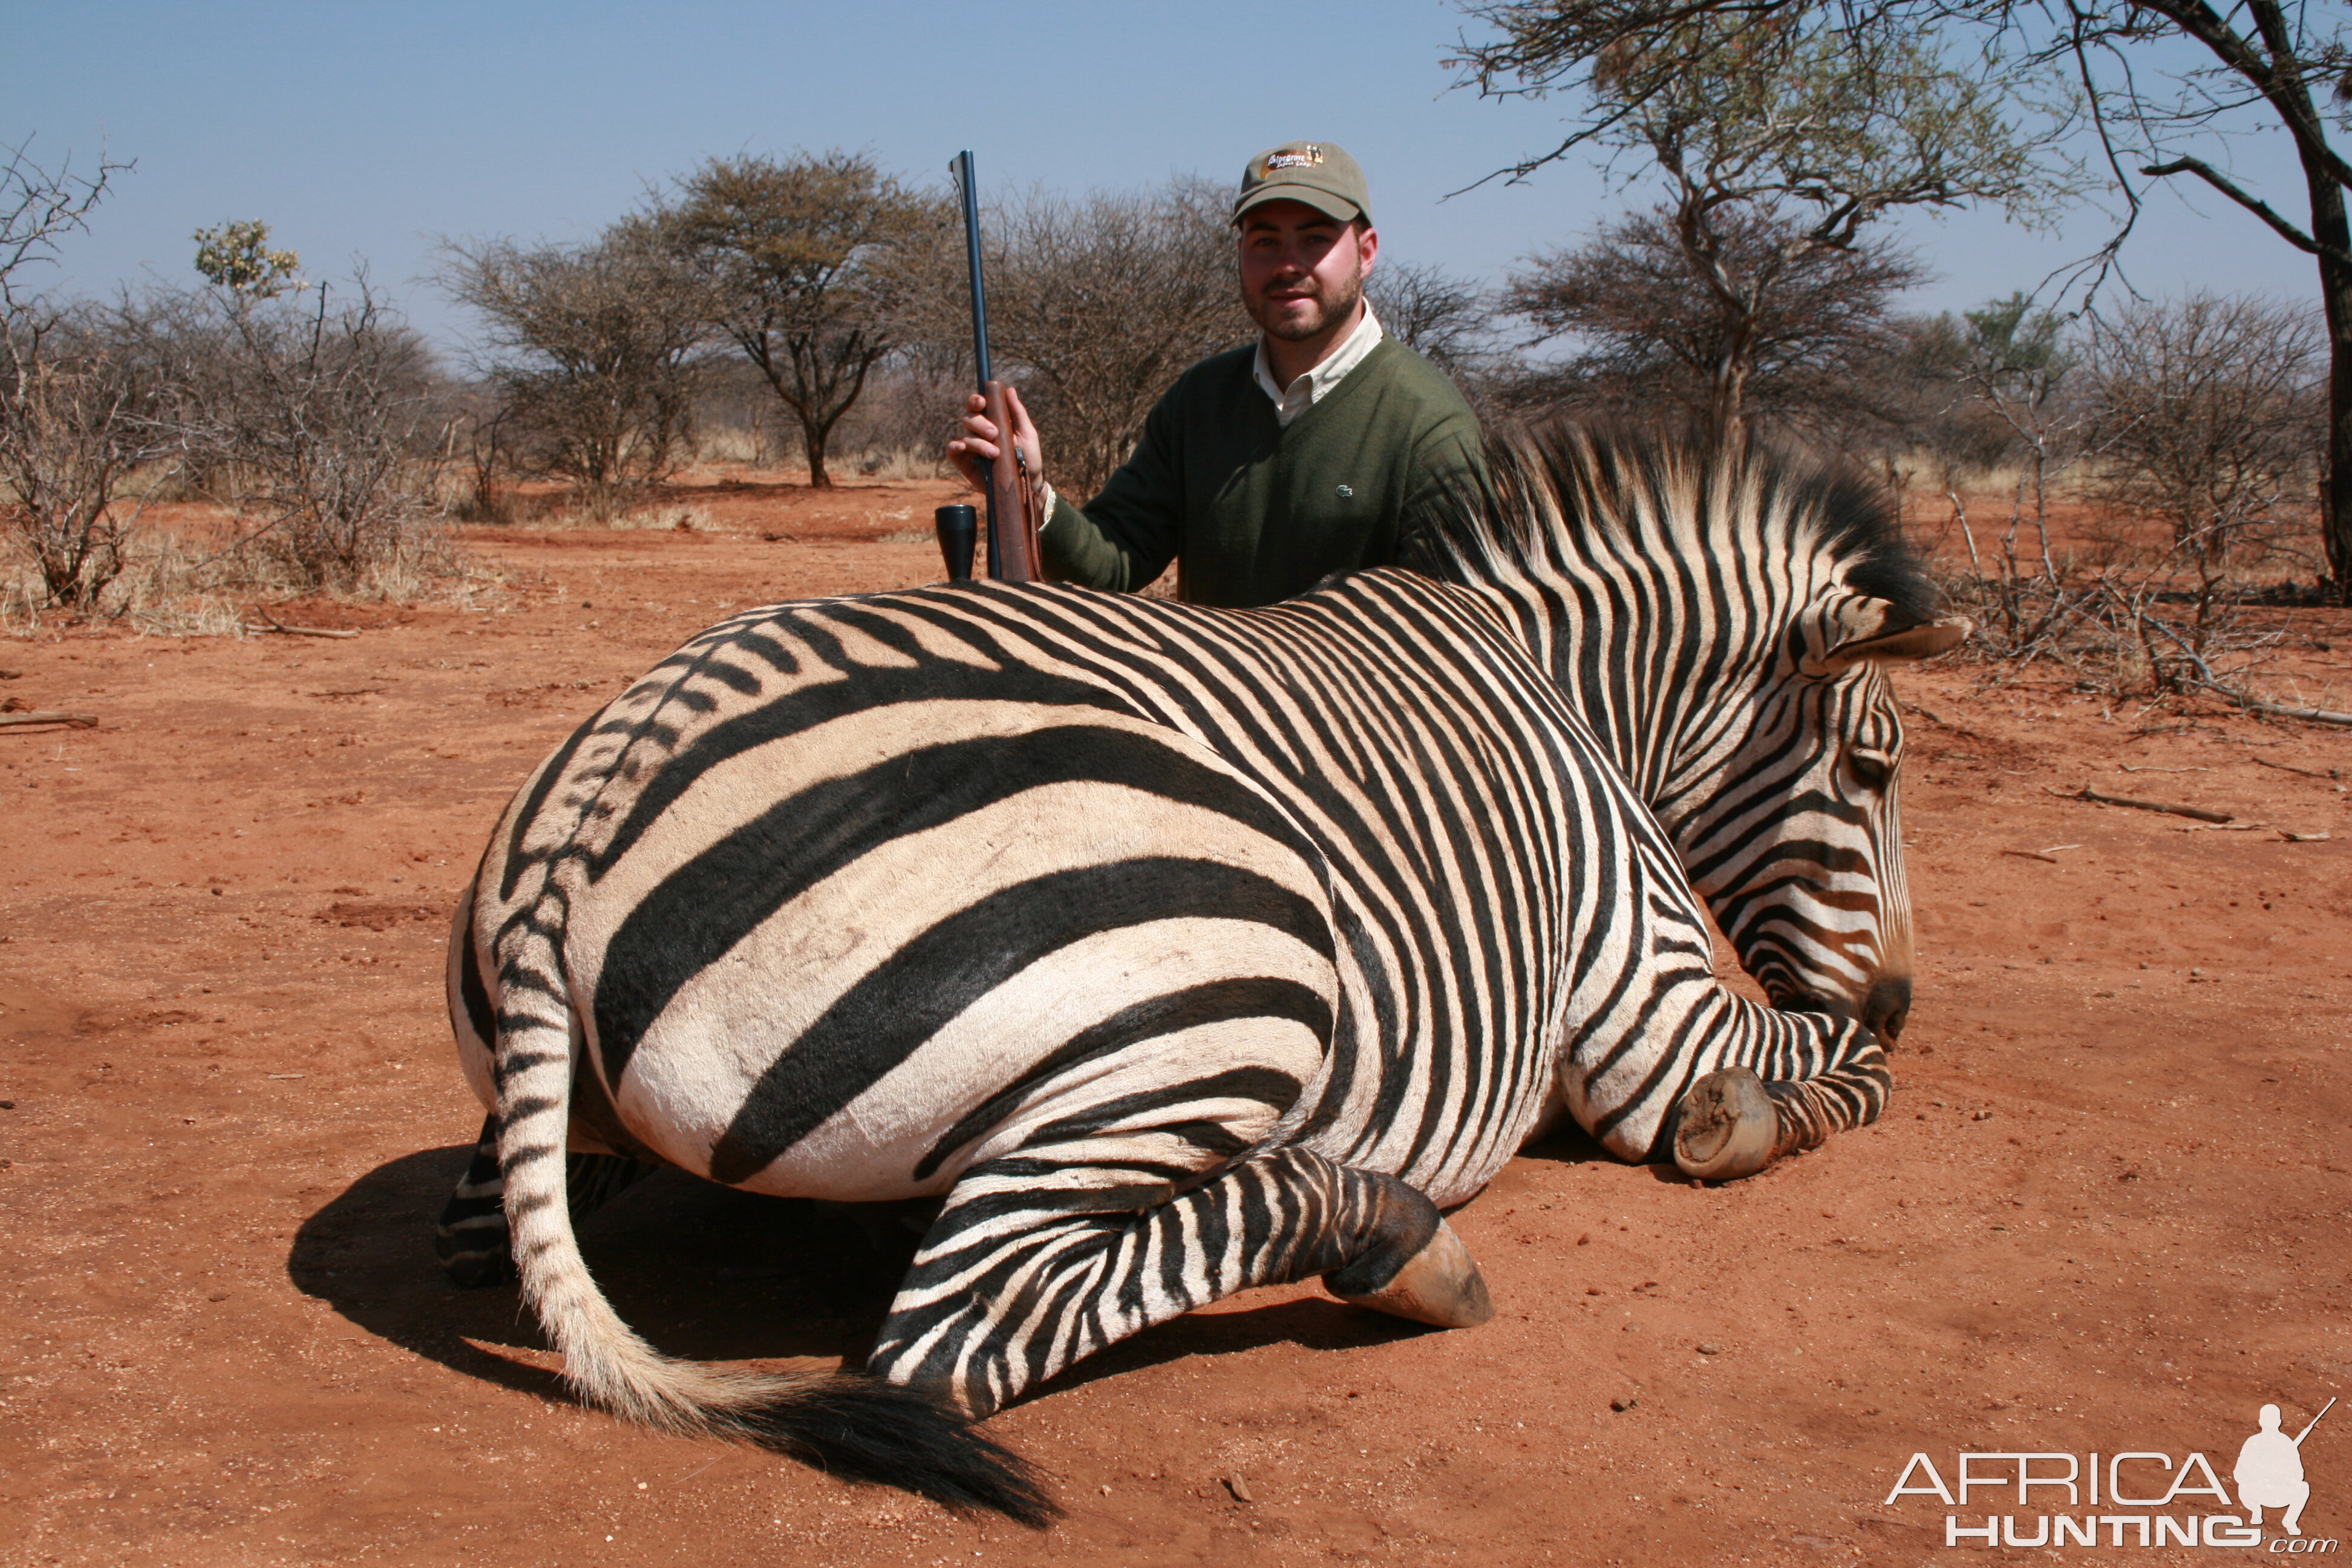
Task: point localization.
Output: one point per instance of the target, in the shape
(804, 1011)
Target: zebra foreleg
(1026, 1272)
(1731, 1123)
(471, 1238)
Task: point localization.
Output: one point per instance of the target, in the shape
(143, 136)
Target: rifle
(2323, 1409)
(1012, 518)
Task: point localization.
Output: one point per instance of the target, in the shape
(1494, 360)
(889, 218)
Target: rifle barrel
(2323, 1409)
(968, 184)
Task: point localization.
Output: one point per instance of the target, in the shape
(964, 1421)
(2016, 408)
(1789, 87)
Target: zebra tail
(852, 1426)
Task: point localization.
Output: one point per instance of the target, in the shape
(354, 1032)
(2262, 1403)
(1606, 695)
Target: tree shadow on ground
(704, 1272)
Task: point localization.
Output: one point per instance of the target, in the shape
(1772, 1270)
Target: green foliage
(235, 256)
(2014, 348)
(1853, 109)
(1806, 122)
(1845, 122)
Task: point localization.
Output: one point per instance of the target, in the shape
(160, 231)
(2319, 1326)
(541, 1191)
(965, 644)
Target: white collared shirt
(1315, 385)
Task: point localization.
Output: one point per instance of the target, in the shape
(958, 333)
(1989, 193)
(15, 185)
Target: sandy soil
(2106, 1212)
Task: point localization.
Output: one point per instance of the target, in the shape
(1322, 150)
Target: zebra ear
(1846, 630)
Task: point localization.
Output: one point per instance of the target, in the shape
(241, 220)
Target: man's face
(1301, 271)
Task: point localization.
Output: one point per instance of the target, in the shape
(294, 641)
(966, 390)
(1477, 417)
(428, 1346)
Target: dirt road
(2106, 1212)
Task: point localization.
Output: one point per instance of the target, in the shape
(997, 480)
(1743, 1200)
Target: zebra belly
(715, 1086)
(804, 973)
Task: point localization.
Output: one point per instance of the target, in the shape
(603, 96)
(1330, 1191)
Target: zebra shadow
(706, 1272)
(1308, 1323)
(1568, 1144)
(701, 1271)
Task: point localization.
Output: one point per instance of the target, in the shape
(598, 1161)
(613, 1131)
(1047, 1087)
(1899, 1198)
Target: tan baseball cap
(1319, 173)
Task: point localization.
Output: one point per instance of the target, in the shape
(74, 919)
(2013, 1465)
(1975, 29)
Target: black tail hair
(861, 1428)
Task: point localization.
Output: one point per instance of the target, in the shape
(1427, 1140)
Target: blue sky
(370, 131)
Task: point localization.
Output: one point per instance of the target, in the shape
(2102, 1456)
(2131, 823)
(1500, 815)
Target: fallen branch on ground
(2306, 773)
(2206, 679)
(51, 716)
(2087, 792)
(278, 626)
(2276, 709)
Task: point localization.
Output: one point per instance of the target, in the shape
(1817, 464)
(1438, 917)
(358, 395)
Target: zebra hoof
(471, 1267)
(476, 1270)
(1728, 1128)
(1439, 1286)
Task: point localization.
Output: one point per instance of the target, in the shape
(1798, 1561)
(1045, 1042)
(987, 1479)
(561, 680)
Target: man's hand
(974, 452)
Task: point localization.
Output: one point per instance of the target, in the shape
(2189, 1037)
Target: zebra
(1662, 579)
(1174, 951)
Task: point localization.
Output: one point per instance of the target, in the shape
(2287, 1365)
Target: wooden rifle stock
(1012, 504)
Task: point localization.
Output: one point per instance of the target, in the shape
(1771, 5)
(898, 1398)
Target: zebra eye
(1875, 770)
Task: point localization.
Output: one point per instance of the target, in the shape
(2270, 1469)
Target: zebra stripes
(1176, 951)
(1724, 621)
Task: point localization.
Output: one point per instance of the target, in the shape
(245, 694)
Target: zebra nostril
(1888, 1009)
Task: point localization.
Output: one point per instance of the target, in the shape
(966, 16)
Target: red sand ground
(2106, 1211)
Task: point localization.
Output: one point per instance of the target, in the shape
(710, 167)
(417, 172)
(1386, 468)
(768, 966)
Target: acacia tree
(2163, 82)
(75, 418)
(803, 265)
(2279, 61)
(2207, 408)
(1809, 329)
(591, 349)
(1803, 129)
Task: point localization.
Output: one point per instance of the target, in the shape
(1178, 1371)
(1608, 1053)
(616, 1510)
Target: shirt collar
(1315, 385)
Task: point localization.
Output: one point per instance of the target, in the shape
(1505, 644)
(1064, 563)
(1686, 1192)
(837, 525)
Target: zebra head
(1783, 807)
(1725, 616)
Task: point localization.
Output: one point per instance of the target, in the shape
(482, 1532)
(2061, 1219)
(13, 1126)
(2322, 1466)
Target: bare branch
(2253, 204)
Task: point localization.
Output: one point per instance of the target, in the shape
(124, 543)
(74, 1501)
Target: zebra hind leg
(470, 1238)
(1030, 1268)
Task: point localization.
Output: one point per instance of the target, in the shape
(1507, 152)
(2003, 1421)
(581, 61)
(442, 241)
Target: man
(1320, 447)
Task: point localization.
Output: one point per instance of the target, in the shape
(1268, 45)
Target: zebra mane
(1558, 489)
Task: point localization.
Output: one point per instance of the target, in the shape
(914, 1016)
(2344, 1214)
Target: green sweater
(1253, 512)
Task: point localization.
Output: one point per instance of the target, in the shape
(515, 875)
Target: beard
(1297, 328)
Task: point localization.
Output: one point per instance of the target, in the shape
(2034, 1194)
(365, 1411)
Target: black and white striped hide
(1174, 951)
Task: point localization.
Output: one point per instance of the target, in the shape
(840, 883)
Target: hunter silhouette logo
(2157, 1503)
(1304, 157)
(2269, 1470)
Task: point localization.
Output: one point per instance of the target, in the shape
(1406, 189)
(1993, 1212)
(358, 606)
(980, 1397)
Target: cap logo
(1304, 157)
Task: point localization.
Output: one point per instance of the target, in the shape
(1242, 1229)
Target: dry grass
(901, 464)
(192, 584)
